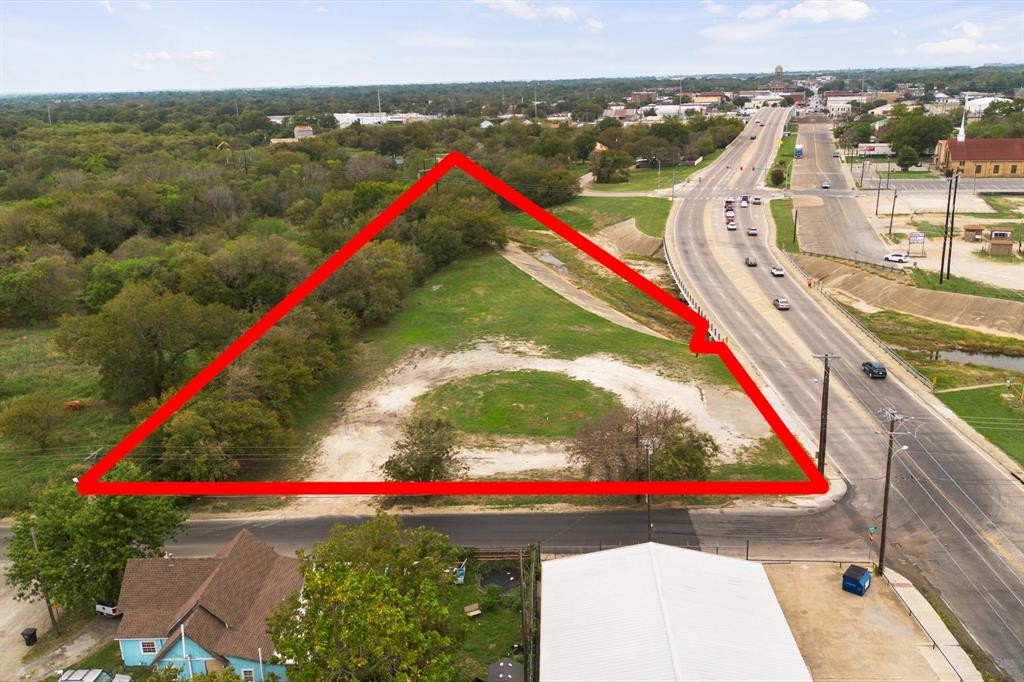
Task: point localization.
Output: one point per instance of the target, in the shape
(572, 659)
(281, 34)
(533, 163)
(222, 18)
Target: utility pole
(796, 215)
(878, 194)
(894, 418)
(952, 228)
(46, 595)
(863, 164)
(888, 170)
(945, 230)
(49, 119)
(823, 434)
(892, 213)
(650, 525)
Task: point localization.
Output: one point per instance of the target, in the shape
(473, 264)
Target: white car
(825, 184)
(752, 231)
(777, 271)
(757, 201)
(781, 303)
(744, 204)
(897, 257)
(731, 225)
(730, 213)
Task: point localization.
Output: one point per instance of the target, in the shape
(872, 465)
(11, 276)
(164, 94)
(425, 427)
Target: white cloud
(592, 25)
(756, 11)
(964, 38)
(107, 6)
(957, 46)
(203, 55)
(162, 55)
(740, 32)
(820, 11)
(529, 10)
(713, 7)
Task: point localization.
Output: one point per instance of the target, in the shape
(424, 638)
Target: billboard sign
(917, 237)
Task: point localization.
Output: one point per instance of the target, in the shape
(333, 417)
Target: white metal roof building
(654, 612)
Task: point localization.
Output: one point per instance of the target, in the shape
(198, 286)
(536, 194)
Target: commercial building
(302, 131)
(655, 612)
(982, 158)
(840, 102)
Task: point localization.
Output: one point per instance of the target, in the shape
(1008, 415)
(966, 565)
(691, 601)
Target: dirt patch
(628, 239)
(807, 201)
(361, 442)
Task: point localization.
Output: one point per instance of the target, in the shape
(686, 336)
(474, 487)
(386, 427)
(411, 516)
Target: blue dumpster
(856, 579)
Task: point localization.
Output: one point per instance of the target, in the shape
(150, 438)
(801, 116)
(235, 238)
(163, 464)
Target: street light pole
(650, 525)
(945, 230)
(892, 213)
(823, 433)
(878, 193)
(796, 215)
(894, 417)
(952, 228)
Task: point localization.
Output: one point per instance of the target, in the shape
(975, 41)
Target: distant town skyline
(144, 45)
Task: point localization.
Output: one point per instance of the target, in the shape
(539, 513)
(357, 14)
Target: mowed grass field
(487, 297)
(995, 413)
(646, 179)
(30, 362)
(533, 404)
(590, 214)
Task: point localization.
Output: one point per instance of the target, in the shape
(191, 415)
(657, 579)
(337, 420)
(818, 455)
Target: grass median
(647, 179)
(784, 158)
(785, 226)
(590, 214)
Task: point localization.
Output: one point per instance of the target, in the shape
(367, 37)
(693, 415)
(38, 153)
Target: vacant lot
(994, 412)
(590, 214)
(646, 179)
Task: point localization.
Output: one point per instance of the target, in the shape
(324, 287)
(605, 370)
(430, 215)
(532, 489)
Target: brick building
(982, 158)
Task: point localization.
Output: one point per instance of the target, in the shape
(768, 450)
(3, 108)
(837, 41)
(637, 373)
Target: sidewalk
(948, 650)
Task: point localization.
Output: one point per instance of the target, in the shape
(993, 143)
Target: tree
(610, 166)
(685, 455)
(84, 541)
(143, 340)
(32, 419)
(613, 446)
(906, 157)
(372, 607)
(427, 451)
(777, 176)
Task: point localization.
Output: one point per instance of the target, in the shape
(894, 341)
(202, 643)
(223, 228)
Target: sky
(137, 45)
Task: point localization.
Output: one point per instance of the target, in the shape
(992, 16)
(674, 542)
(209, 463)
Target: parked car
(757, 201)
(781, 303)
(873, 369)
(825, 184)
(777, 271)
(752, 231)
(94, 675)
(109, 610)
(750, 261)
(896, 257)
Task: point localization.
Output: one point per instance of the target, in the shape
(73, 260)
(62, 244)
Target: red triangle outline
(89, 483)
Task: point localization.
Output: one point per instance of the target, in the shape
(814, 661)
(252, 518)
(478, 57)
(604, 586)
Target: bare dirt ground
(628, 239)
(357, 446)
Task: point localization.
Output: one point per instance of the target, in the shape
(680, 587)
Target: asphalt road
(956, 519)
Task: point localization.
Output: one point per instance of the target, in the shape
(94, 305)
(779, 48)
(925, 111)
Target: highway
(956, 518)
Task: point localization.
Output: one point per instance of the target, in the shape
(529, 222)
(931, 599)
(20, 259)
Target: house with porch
(204, 614)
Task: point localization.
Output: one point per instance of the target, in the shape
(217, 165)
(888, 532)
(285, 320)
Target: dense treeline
(152, 248)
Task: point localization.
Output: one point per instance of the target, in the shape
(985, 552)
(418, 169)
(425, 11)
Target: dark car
(875, 370)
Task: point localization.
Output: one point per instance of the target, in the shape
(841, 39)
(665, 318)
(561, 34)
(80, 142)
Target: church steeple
(962, 133)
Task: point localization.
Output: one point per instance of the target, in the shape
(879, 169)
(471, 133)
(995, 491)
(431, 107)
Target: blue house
(206, 614)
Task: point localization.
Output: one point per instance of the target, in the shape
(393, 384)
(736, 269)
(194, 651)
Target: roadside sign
(916, 238)
(872, 529)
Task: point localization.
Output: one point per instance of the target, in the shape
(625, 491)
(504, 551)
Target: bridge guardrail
(841, 308)
(691, 301)
(843, 259)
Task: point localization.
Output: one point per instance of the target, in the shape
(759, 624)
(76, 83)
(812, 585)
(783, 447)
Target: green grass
(30, 362)
(590, 214)
(931, 230)
(107, 657)
(1003, 205)
(784, 157)
(487, 297)
(906, 175)
(768, 460)
(994, 413)
(785, 230)
(543, 405)
(646, 179)
(927, 279)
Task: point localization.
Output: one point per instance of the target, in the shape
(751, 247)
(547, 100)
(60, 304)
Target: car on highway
(729, 213)
(761, 123)
(874, 369)
(896, 257)
(825, 184)
(781, 303)
(777, 271)
(731, 225)
(744, 203)
(757, 201)
(750, 261)
(836, 155)
(752, 231)
(753, 137)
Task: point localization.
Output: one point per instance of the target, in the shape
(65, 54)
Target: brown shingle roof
(987, 149)
(223, 601)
